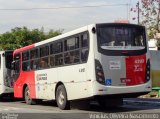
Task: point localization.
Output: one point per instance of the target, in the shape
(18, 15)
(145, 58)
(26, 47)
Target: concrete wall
(152, 44)
(155, 68)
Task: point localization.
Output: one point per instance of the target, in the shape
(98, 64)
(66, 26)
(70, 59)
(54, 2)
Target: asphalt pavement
(49, 110)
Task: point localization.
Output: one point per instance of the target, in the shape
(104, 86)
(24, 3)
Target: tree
(19, 37)
(150, 13)
(151, 18)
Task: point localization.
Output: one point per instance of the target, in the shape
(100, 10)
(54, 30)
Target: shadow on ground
(86, 106)
(95, 107)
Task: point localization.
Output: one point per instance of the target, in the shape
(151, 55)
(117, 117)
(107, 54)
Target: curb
(141, 101)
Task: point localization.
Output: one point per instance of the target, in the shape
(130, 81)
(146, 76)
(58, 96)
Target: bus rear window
(120, 36)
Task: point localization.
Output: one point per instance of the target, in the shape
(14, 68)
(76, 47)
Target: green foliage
(152, 32)
(150, 16)
(19, 37)
(153, 93)
(150, 10)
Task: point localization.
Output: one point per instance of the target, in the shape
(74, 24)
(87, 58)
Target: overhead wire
(63, 7)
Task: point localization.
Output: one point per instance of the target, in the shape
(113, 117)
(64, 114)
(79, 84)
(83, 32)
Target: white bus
(106, 62)
(6, 82)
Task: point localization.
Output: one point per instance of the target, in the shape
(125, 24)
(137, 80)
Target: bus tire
(27, 97)
(61, 98)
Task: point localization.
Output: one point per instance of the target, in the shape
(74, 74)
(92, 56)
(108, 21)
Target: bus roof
(82, 29)
(79, 30)
(76, 31)
(23, 48)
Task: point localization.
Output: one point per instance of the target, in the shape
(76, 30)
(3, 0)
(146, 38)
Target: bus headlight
(99, 72)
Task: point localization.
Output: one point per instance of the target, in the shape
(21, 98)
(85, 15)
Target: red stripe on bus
(135, 70)
(24, 48)
(27, 78)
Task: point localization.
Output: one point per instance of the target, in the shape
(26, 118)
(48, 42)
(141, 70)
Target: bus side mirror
(13, 65)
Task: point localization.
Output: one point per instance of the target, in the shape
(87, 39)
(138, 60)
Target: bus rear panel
(122, 64)
(6, 80)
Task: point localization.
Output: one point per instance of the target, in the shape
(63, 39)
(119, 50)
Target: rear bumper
(123, 91)
(117, 96)
(6, 90)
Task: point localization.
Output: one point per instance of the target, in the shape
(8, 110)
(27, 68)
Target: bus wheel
(61, 98)
(27, 97)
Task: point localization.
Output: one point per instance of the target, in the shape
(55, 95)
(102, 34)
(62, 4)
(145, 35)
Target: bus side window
(44, 60)
(71, 57)
(56, 47)
(71, 43)
(34, 64)
(84, 40)
(52, 61)
(25, 61)
(17, 67)
(44, 63)
(84, 55)
(17, 64)
(34, 54)
(56, 53)
(67, 58)
(26, 66)
(34, 59)
(44, 51)
(71, 47)
(85, 47)
(58, 59)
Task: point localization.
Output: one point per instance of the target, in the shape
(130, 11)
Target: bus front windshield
(121, 37)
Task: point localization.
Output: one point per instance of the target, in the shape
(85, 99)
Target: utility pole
(158, 19)
(138, 11)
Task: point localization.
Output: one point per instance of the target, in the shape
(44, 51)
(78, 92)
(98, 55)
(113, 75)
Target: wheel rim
(61, 98)
(27, 96)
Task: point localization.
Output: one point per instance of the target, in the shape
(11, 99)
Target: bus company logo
(41, 77)
(37, 77)
(114, 65)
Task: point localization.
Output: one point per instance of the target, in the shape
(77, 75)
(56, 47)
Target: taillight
(148, 70)
(99, 72)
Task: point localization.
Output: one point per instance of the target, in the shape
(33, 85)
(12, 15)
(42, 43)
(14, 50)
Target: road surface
(49, 110)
